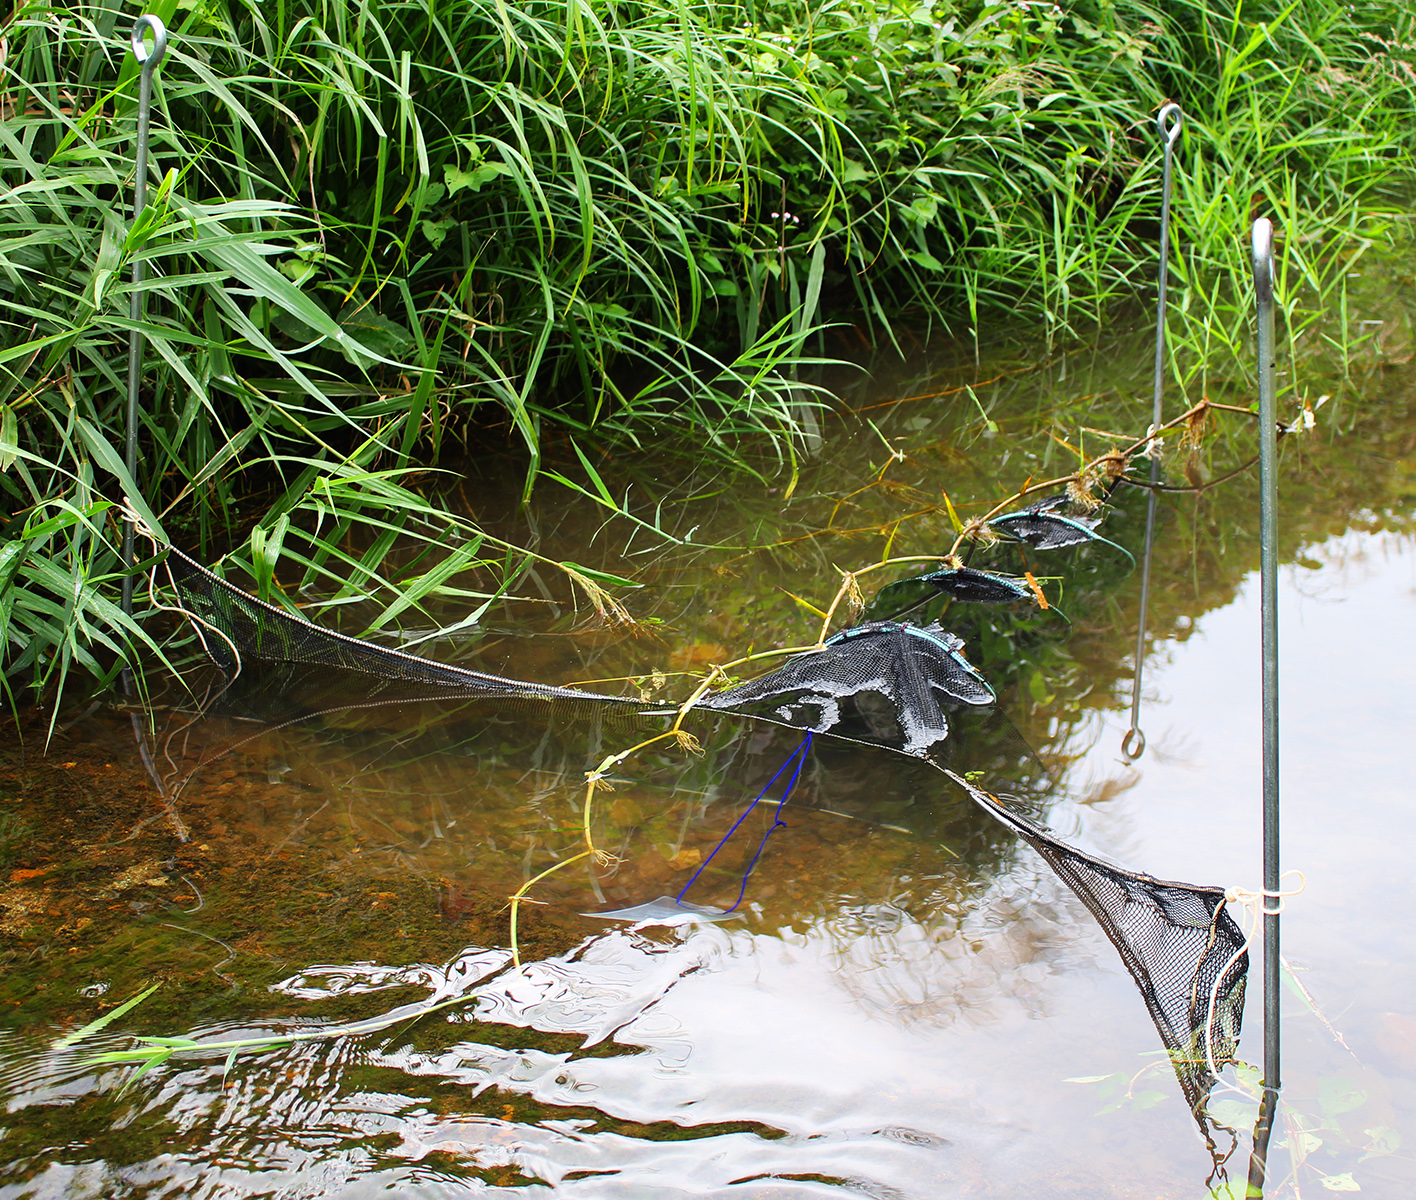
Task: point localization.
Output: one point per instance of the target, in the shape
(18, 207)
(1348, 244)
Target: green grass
(378, 230)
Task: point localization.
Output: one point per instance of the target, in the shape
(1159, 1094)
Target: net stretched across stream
(903, 688)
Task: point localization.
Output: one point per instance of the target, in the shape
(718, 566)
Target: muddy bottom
(109, 888)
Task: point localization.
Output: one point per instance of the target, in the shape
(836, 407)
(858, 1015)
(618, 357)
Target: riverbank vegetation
(380, 236)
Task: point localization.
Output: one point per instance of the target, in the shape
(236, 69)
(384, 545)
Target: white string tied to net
(1254, 904)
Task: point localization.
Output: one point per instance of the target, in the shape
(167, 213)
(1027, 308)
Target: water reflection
(908, 994)
(860, 894)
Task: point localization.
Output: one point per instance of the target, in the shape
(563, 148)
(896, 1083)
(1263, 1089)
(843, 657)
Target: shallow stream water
(908, 1003)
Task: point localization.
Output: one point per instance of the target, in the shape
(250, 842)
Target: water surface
(907, 1004)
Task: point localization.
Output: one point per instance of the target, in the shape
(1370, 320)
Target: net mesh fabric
(235, 627)
(1050, 524)
(1184, 951)
(883, 682)
(973, 586)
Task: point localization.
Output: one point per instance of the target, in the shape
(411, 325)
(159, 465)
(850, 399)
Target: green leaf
(152, 218)
(94, 1026)
(9, 437)
(923, 210)
(1338, 1096)
(10, 554)
(241, 259)
(437, 231)
(382, 338)
(1307, 1142)
(265, 554)
(461, 559)
(602, 576)
(1385, 1140)
(457, 179)
(599, 484)
(155, 1061)
(853, 172)
(1233, 1114)
(108, 458)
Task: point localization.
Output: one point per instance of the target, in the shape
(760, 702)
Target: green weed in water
(15, 833)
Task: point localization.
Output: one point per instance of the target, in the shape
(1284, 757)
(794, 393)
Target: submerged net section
(884, 683)
(1184, 951)
(235, 628)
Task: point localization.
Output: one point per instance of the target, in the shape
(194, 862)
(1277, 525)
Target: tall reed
(376, 226)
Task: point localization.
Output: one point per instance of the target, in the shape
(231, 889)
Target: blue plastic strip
(799, 757)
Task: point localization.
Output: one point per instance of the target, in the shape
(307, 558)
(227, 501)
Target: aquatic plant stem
(157, 1050)
(590, 783)
(595, 778)
(971, 531)
(520, 894)
(977, 529)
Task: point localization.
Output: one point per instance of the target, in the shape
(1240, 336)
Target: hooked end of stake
(1171, 120)
(144, 25)
(1263, 259)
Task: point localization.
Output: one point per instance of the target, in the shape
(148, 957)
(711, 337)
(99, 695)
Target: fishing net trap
(904, 688)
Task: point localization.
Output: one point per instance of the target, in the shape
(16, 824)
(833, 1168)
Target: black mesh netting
(235, 628)
(1183, 949)
(973, 586)
(885, 683)
(1050, 524)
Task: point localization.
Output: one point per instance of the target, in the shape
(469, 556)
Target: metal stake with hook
(149, 59)
(1268, 571)
(1171, 121)
(145, 26)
